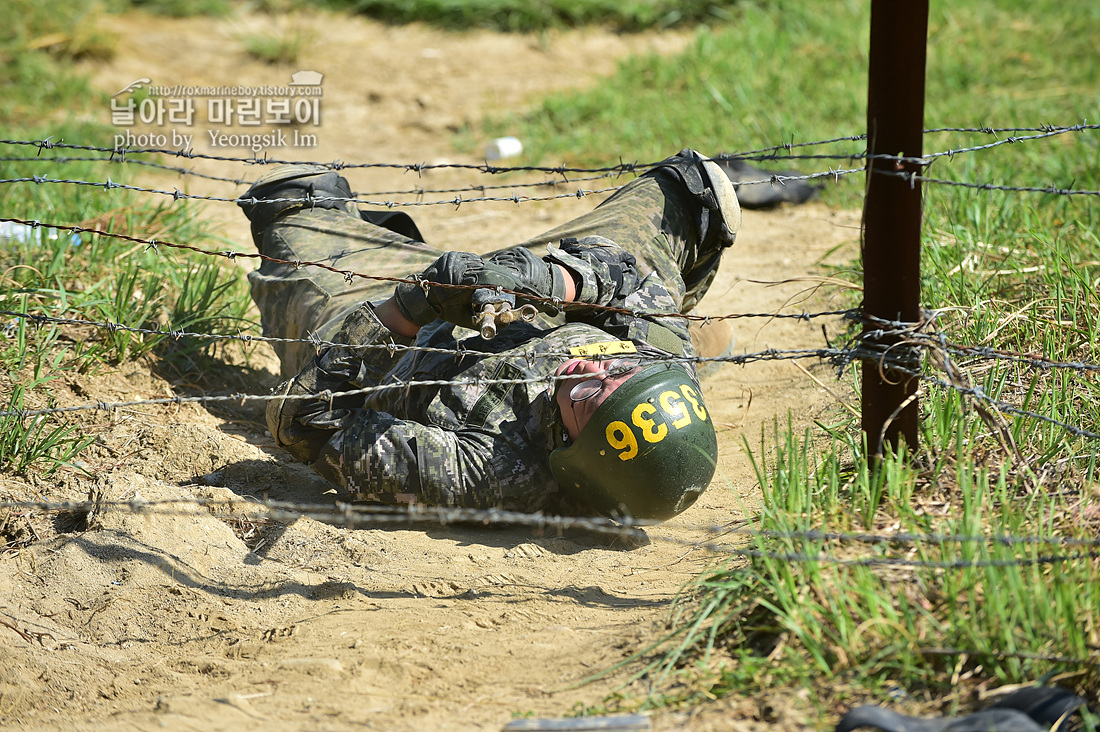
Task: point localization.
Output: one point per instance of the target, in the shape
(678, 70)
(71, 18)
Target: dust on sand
(208, 620)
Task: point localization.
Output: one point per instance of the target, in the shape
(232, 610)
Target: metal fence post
(892, 209)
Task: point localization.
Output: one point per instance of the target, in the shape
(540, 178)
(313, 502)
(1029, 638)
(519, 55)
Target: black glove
(534, 276)
(302, 426)
(424, 303)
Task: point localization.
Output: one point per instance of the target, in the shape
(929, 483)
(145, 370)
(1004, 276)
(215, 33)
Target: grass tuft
(282, 47)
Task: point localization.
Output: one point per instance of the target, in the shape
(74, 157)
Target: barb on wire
(1051, 189)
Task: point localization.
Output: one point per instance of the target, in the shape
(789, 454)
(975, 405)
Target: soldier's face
(575, 413)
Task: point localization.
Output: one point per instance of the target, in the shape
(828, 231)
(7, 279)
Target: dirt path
(193, 622)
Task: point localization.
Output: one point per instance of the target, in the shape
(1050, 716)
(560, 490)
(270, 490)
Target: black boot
(772, 192)
(292, 187)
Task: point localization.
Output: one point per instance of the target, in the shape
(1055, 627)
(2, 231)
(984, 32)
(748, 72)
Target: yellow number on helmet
(651, 431)
(621, 437)
(670, 402)
(693, 397)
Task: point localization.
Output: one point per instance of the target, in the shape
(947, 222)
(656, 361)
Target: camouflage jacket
(480, 434)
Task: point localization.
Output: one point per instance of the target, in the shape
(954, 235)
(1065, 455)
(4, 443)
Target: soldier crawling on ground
(580, 410)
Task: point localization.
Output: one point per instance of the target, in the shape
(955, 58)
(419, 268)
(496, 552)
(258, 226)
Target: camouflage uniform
(474, 444)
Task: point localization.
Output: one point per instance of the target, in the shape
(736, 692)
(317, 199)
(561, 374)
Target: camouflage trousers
(653, 217)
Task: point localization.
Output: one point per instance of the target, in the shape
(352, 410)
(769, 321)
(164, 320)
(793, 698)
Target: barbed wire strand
(419, 191)
(766, 153)
(548, 380)
(349, 275)
(355, 516)
(1033, 361)
(40, 320)
(1051, 189)
(838, 356)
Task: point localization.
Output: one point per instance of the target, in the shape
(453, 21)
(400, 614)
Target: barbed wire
(392, 347)
(833, 173)
(870, 348)
(983, 129)
(977, 393)
(954, 552)
(1035, 361)
(765, 153)
(419, 191)
(178, 195)
(548, 380)
(119, 155)
(1046, 132)
(49, 144)
(1031, 360)
(349, 275)
(1051, 189)
(901, 336)
(350, 515)
(116, 161)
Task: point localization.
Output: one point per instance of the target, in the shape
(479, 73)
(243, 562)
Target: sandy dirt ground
(199, 620)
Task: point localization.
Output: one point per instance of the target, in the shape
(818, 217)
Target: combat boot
(719, 214)
(292, 187)
(757, 188)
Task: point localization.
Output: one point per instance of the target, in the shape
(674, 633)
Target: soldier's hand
(534, 276)
(423, 303)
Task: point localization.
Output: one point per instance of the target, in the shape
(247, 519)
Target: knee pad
(719, 217)
(292, 187)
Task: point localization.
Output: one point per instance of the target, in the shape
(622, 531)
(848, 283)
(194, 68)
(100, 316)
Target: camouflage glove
(423, 303)
(534, 276)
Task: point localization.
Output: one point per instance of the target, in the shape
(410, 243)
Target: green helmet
(647, 452)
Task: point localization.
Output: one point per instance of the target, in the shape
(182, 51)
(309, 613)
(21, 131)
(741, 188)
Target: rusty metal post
(892, 208)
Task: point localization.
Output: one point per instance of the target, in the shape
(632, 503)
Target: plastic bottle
(503, 147)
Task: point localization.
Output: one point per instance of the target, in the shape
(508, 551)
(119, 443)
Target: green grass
(1016, 271)
(831, 614)
(101, 279)
(1009, 270)
(797, 72)
(281, 47)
